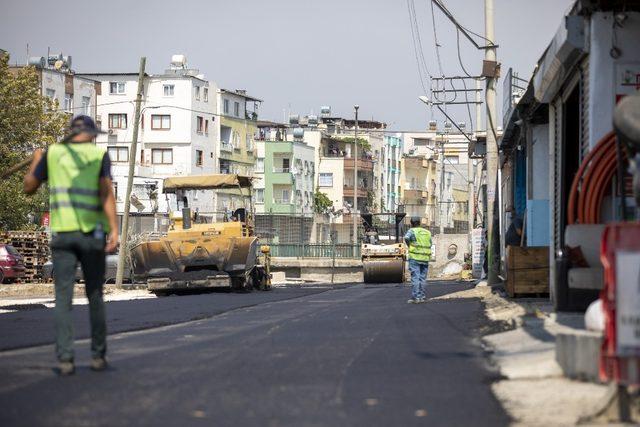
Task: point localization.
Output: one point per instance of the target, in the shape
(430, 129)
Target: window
(86, 103)
(117, 121)
(51, 94)
(325, 180)
(226, 106)
(197, 89)
(160, 121)
(286, 196)
(260, 165)
(452, 159)
(259, 195)
(285, 165)
(199, 124)
(116, 88)
(168, 90)
(236, 109)
(162, 156)
(205, 94)
(199, 157)
(142, 156)
(206, 127)
(68, 102)
(249, 140)
(118, 154)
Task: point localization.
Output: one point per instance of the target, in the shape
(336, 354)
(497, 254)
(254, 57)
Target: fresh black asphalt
(355, 356)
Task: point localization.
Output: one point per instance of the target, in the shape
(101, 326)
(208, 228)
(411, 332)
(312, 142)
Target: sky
(296, 55)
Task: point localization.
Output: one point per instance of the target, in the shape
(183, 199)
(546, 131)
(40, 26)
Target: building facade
(75, 94)
(391, 162)
(177, 133)
(236, 152)
(284, 172)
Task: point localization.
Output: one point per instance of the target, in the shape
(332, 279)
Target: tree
(322, 204)
(28, 120)
(362, 142)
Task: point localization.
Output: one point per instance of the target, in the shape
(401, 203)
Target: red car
(11, 264)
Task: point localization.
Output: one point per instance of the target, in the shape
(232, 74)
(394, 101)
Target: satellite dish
(58, 64)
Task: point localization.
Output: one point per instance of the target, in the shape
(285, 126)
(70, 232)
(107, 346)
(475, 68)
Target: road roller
(383, 252)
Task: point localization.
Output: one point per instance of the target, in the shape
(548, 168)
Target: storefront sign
(628, 303)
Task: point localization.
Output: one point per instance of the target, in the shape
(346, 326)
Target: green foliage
(362, 142)
(322, 204)
(28, 120)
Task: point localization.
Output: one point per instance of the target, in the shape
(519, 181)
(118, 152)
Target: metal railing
(295, 250)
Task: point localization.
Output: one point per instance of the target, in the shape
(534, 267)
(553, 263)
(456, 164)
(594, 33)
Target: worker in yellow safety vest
(83, 228)
(418, 240)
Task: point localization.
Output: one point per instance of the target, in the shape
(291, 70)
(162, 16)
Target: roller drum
(383, 270)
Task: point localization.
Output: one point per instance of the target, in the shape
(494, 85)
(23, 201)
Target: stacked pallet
(527, 270)
(34, 248)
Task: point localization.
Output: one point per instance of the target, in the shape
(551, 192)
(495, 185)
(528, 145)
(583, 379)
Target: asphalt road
(345, 357)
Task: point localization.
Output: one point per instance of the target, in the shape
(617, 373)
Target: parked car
(11, 264)
(109, 276)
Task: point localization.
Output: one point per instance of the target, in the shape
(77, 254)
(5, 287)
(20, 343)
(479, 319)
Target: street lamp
(355, 179)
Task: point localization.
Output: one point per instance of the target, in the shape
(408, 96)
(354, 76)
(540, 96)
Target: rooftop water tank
(178, 61)
(312, 120)
(38, 61)
(325, 111)
(298, 133)
(294, 119)
(433, 125)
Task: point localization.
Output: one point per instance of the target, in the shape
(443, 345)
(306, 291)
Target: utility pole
(355, 181)
(132, 164)
(441, 184)
(492, 145)
(472, 170)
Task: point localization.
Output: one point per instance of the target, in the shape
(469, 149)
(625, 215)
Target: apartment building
(434, 176)
(236, 152)
(177, 134)
(285, 170)
(391, 163)
(74, 93)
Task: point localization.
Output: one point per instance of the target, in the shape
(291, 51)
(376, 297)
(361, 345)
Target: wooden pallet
(34, 248)
(527, 271)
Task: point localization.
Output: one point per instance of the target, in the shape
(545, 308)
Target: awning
(564, 51)
(205, 182)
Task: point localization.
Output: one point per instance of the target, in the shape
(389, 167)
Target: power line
(435, 37)
(419, 38)
(415, 49)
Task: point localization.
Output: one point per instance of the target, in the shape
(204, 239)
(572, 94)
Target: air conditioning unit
(111, 132)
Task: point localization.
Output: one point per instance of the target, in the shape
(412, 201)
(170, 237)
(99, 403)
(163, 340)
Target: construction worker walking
(83, 227)
(418, 240)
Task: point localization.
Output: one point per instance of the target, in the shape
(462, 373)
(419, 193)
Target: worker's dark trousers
(67, 250)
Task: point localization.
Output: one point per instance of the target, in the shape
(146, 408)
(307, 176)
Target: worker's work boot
(98, 364)
(412, 301)
(66, 368)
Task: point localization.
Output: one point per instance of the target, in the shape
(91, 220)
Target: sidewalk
(521, 340)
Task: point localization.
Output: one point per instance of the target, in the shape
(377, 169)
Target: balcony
(281, 170)
(416, 162)
(363, 164)
(415, 194)
(347, 192)
(226, 146)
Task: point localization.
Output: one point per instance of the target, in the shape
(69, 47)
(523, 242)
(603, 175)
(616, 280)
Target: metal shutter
(584, 108)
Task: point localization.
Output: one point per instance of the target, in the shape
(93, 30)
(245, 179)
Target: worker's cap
(84, 123)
